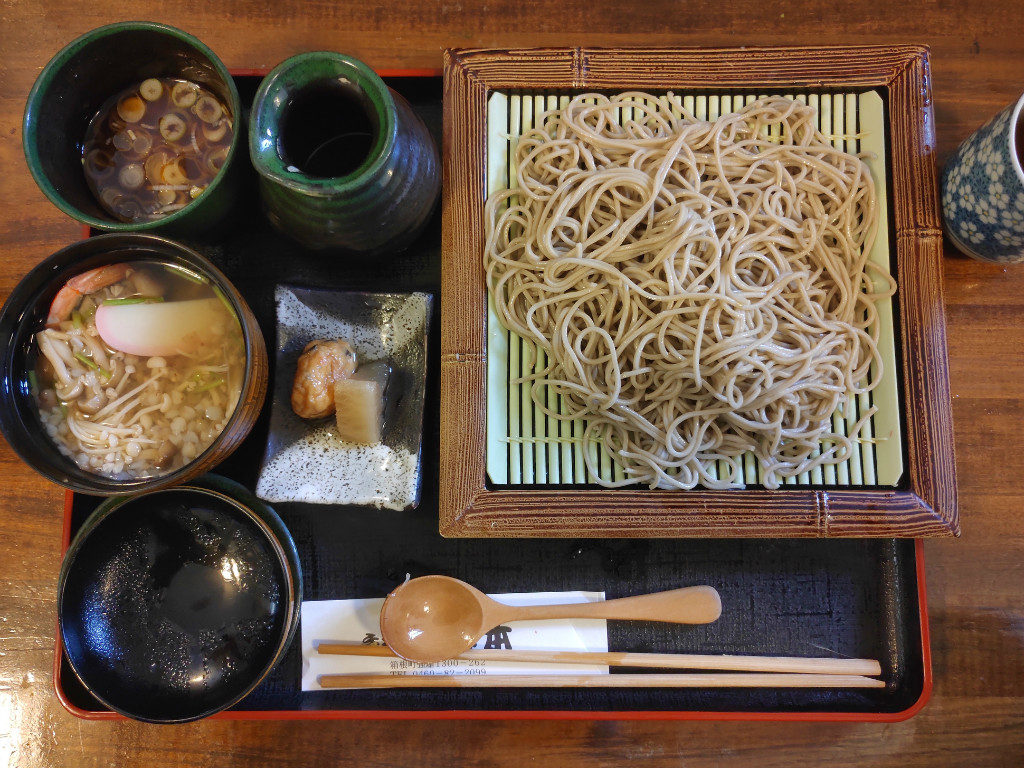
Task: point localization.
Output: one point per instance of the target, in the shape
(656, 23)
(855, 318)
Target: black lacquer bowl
(25, 313)
(174, 605)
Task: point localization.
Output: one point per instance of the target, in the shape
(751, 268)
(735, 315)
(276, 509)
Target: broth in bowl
(155, 147)
(139, 368)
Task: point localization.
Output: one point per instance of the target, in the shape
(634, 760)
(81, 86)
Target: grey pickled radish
(359, 403)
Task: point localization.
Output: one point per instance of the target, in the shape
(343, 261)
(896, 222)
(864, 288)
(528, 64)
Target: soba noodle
(700, 289)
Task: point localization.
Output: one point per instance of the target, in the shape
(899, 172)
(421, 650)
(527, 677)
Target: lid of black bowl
(174, 604)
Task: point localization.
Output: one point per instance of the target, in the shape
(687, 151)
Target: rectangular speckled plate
(305, 461)
(525, 476)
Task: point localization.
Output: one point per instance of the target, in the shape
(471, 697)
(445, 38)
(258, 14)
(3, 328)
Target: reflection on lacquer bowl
(174, 605)
(129, 363)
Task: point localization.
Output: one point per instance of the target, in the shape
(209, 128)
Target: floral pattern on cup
(983, 192)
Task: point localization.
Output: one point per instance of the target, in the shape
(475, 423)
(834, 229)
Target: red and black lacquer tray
(801, 597)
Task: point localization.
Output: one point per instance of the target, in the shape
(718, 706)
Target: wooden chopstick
(704, 680)
(773, 664)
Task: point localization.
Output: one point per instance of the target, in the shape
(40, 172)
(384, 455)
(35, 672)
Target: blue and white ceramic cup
(983, 190)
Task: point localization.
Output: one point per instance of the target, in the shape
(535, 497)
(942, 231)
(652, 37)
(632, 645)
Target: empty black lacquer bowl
(174, 605)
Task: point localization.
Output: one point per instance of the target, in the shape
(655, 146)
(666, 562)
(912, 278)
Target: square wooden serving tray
(902, 485)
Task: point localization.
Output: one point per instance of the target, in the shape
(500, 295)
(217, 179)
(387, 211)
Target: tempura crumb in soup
(138, 369)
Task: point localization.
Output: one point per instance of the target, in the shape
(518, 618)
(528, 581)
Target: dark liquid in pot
(326, 131)
(145, 158)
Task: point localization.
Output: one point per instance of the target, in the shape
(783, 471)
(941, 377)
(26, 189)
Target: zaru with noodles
(701, 289)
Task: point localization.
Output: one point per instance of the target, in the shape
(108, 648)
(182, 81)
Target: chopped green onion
(133, 300)
(76, 320)
(86, 361)
(105, 373)
(212, 384)
(190, 276)
(224, 301)
(33, 383)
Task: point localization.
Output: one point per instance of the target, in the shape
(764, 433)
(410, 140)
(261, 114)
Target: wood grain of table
(976, 711)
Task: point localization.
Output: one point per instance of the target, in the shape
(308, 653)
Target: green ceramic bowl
(73, 87)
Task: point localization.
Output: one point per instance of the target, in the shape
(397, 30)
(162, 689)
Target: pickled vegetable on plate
(359, 402)
(329, 381)
(321, 364)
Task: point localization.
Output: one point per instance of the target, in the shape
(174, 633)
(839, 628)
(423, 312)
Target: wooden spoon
(433, 618)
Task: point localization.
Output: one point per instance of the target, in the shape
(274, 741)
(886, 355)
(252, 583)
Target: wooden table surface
(976, 711)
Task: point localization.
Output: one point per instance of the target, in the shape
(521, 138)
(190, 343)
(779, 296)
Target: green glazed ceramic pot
(343, 161)
(77, 82)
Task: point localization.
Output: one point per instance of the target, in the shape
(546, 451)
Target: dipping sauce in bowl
(129, 363)
(137, 126)
(155, 147)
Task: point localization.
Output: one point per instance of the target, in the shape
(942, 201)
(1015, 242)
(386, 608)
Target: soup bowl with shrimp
(129, 363)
